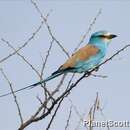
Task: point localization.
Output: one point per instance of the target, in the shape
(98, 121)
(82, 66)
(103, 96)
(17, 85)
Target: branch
(24, 45)
(43, 67)
(26, 61)
(68, 120)
(54, 115)
(14, 96)
(99, 76)
(49, 29)
(89, 29)
(46, 58)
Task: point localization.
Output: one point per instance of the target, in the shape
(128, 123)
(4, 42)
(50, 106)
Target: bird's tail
(54, 75)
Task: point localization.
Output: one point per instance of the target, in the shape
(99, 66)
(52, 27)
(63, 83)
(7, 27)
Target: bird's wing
(82, 54)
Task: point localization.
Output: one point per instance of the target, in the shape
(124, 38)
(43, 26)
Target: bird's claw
(87, 73)
(96, 68)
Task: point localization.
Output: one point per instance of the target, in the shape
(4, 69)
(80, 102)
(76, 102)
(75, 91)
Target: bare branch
(59, 85)
(100, 76)
(89, 29)
(43, 67)
(46, 58)
(24, 45)
(49, 29)
(75, 109)
(54, 115)
(14, 96)
(26, 61)
(38, 98)
(68, 120)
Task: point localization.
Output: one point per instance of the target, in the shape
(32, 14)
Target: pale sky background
(69, 20)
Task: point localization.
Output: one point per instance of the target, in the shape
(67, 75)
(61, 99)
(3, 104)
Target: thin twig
(54, 115)
(99, 76)
(14, 96)
(38, 98)
(101, 111)
(75, 109)
(95, 107)
(59, 85)
(49, 29)
(89, 29)
(24, 45)
(43, 67)
(46, 58)
(68, 119)
(26, 61)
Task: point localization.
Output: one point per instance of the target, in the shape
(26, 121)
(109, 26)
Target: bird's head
(101, 37)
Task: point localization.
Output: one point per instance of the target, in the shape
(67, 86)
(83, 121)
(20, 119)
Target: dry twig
(89, 29)
(49, 29)
(14, 96)
(24, 45)
(68, 119)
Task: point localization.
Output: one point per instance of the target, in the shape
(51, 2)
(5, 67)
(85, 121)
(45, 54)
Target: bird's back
(82, 54)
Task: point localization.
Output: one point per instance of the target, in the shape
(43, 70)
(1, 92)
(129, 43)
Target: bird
(83, 60)
(86, 58)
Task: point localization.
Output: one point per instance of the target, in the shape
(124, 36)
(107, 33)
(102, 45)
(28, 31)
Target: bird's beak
(112, 36)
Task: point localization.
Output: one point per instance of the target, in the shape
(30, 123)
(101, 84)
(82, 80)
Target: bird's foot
(87, 73)
(96, 68)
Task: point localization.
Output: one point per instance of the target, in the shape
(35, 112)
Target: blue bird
(85, 59)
